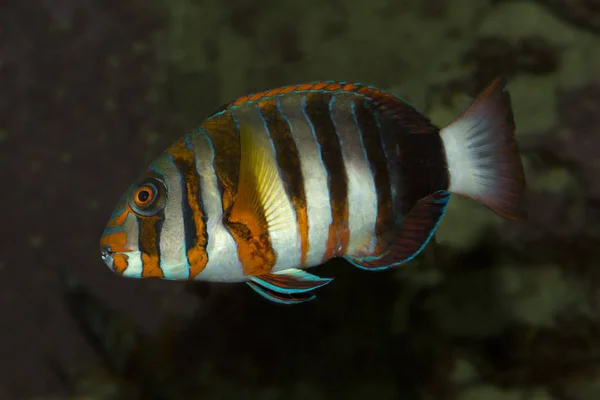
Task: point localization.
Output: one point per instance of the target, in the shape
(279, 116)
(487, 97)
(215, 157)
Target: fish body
(287, 179)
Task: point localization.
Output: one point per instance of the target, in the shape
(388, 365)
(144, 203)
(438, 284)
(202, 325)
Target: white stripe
(223, 262)
(173, 260)
(283, 229)
(134, 258)
(362, 195)
(318, 208)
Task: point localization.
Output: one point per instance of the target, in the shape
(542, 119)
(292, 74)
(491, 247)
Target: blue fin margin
(426, 215)
(284, 286)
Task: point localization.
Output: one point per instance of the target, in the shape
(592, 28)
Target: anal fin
(406, 241)
(288, 286)
(281, 298)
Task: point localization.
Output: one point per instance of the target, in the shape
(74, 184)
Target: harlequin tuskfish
(286, 179)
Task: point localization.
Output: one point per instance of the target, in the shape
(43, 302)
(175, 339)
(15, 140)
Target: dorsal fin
(388, 104)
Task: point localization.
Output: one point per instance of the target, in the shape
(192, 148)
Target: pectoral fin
(406, 241)
(261, 198)
(260, 207)
(288, 286)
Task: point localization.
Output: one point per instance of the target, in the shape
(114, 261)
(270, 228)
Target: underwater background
(92, 90)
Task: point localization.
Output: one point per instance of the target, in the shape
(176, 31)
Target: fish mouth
(117, 261)
(105, 252)
(107, 256)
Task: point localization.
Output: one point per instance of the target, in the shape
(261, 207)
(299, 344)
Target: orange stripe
(226, 142)
(118, 220)
(317, 109)
(288, 160)
(185, 160)
(247, 226)
(120, 263)
(115, 241)
(148, 240)
(302, 220)
(339, 234)
(253, 244)
(151, 266)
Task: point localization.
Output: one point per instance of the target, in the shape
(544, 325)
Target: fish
(279, 181)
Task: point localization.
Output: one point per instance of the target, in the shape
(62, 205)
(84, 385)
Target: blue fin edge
(301, 275)
(444, 201)
(277, 300)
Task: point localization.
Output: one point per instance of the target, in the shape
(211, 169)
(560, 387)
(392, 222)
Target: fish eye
(148, 198)
(144, 195)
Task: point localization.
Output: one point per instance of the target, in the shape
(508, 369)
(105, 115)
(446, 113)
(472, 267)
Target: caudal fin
(482, 153)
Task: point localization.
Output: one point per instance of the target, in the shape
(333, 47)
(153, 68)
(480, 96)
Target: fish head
(131, 244)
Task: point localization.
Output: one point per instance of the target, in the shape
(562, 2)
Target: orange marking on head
(120, 263)
(119, 220)
(116, 241)
(185, 159)
(149, 245)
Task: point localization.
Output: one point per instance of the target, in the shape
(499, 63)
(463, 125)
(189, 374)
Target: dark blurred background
(91, 91)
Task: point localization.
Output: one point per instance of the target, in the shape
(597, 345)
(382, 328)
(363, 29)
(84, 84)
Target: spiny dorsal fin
(387, 102)
(393, 107)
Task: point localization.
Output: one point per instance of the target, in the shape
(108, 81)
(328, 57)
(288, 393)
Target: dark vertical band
(319, 115)
(288, 160)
